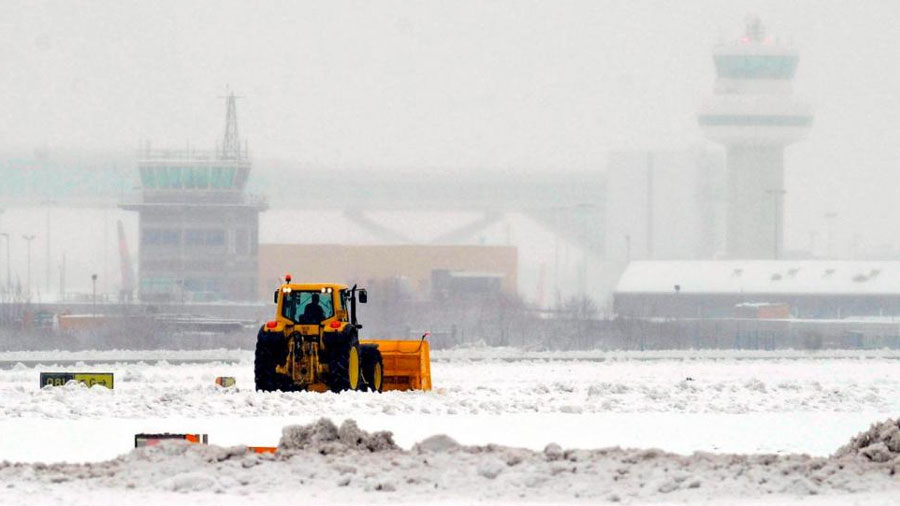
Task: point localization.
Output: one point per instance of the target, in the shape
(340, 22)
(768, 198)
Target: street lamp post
(28, 239)
(8, 271)
(47, 259)
(94, 295)
(48, 204)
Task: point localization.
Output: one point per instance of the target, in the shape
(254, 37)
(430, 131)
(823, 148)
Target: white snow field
(718, 403)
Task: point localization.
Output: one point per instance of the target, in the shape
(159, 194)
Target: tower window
(751, 66)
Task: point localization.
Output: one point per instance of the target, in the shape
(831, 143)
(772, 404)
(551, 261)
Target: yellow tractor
(313, 344)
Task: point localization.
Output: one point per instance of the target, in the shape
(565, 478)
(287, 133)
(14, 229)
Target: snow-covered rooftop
(762, 276)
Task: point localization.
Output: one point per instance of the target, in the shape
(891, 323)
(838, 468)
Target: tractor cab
(329, 305)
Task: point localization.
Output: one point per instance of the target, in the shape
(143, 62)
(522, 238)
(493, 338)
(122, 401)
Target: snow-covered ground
(486, 386)
(726, 402)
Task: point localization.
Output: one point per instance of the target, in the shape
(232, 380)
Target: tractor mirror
(363, 296)
(275, 298)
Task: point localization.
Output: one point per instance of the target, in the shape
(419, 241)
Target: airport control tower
(755, 115)
(199, 227)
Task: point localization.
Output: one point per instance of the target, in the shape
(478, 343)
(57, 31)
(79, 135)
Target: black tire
(344, 369)
(269, 348)
(372, 368)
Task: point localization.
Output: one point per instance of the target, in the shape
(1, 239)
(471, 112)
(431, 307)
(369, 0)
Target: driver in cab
(313, 312)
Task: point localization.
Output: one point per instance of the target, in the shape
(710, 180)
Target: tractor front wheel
(372, 368)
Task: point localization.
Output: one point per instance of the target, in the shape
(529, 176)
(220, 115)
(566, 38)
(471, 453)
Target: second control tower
(754, 114)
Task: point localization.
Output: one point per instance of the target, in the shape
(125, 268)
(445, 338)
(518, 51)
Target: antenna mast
(231, 144)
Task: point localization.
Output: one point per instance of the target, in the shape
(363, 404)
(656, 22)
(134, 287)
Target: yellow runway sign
(58, 379)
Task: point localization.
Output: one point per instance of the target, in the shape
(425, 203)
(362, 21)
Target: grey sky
(456, 85)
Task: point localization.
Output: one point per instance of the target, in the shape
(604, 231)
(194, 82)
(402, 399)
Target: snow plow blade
(407, 364)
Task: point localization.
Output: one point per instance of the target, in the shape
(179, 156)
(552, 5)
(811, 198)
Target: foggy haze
(456, 87)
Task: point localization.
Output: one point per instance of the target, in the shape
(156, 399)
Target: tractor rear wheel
(372, 368)
(267, 354)
(343, 369)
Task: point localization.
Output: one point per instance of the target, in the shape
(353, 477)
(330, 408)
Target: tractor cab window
(345, 302)
(307, 307)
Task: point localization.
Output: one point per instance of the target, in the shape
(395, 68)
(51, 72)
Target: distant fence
(682, 334)
(492, 322)
(757, 334)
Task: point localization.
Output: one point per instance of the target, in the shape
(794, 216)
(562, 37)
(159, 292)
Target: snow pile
(344, 462)
(170, 466)
(881, 443)
(325, 438)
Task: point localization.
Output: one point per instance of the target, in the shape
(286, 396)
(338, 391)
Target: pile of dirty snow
(345, 463)
(881, 443)
(324, 437)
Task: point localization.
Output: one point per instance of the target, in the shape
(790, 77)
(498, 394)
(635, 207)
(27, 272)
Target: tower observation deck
(755, 115)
